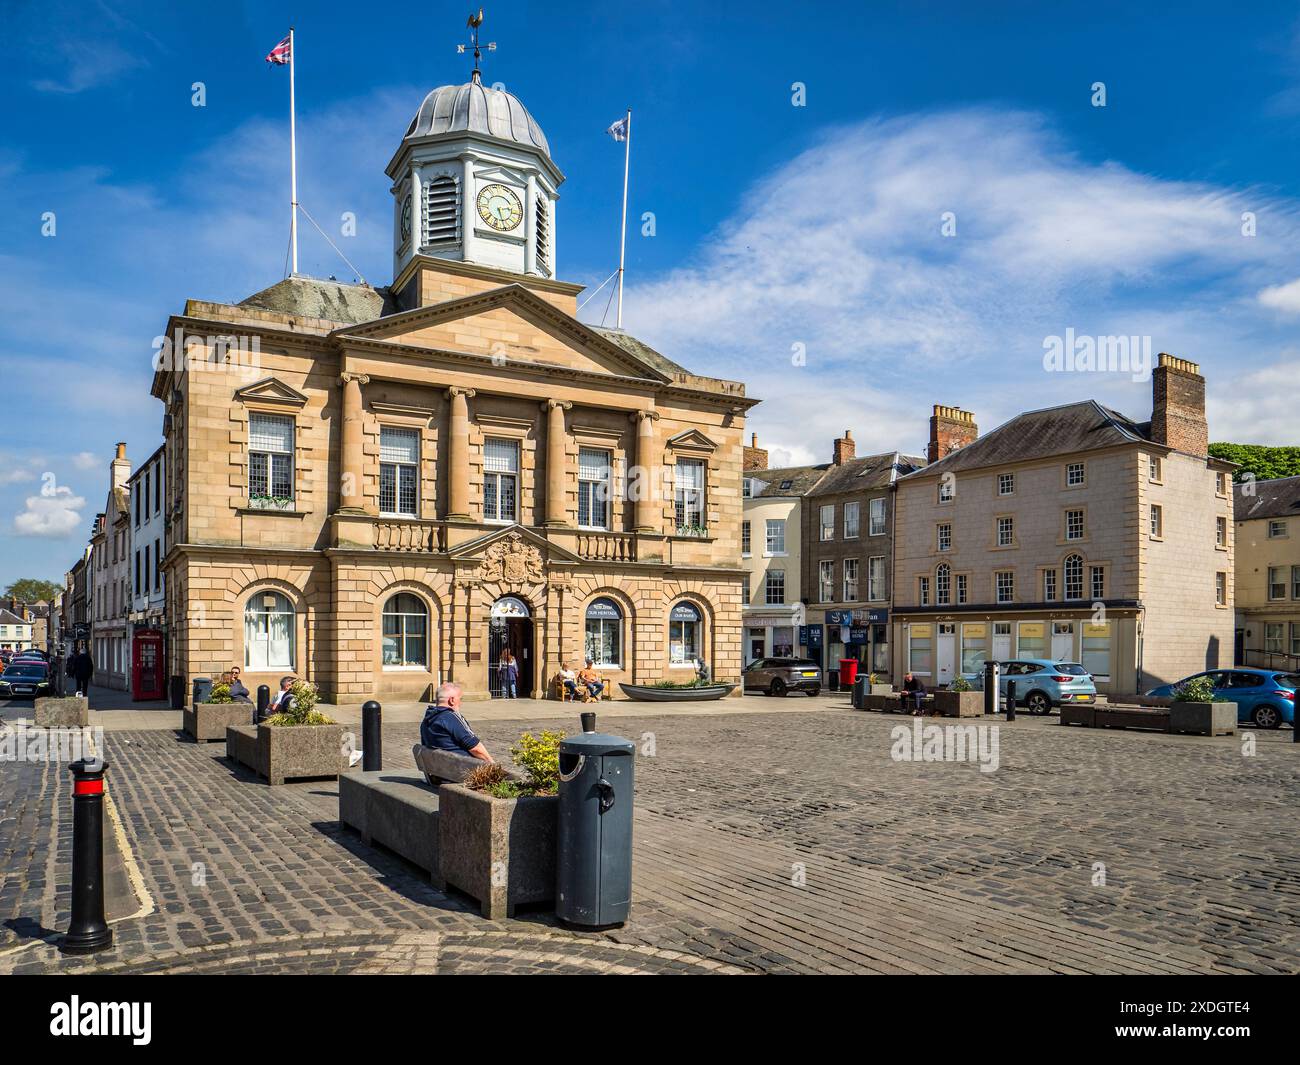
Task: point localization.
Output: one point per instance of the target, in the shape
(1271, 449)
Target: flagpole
(622, 240)
(293, 159)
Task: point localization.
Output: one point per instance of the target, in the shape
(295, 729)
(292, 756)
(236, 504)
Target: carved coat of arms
(511, 560)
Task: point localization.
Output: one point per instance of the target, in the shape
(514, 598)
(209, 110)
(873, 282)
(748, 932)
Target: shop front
(861, 634)
(773, 632)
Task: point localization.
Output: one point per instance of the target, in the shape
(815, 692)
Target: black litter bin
(202, 689)
(594, 860)
(861, 690)
(178, 693)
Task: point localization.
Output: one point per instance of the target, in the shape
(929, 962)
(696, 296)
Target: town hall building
(377, 489)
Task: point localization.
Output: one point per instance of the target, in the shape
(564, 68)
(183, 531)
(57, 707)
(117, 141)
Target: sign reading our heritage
(604, 610)
(685, 612)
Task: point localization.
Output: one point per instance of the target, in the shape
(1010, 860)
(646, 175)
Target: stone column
(556, 460)
(458, 454)
(645, 482)
(353, 457)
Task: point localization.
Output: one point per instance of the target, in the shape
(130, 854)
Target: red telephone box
(147, 665)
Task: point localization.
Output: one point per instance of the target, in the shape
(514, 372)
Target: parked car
(1263, 696)
(25, 680)
(780, 676)
(1042, 684)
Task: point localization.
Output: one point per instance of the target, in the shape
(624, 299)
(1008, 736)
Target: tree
(1263, 462)
(30, 589)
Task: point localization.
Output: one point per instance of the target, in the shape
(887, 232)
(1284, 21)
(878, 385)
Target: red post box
(848, 672)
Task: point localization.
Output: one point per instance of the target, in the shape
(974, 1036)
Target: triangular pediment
(692, 440)
(481, 548)
(510, 323)
(271, 390)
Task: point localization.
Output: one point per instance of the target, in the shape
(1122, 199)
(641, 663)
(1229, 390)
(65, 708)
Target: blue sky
(779, 229)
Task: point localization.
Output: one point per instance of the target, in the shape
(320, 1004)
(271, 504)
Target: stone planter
(209, 721)
(288, 752)
(882, 689)
(959, 704)
(499, 851)
(1203, 719)
(68, 712)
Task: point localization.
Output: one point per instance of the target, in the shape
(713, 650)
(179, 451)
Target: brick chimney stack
(951, 428)
(845, 449)
(755, 457)
(1178, 406)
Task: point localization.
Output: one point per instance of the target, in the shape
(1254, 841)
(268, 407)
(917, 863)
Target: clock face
(500, 208)
(406, 218)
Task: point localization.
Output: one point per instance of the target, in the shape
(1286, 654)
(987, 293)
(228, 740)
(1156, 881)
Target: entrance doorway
(510, 626)
(947, 654)
(1063, 641)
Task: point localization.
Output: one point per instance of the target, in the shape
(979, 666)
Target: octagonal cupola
(473, 181)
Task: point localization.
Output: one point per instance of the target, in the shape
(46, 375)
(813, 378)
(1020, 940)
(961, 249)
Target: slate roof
(802, 479)
(640, 350)
(8, 617)
(866, 472)
(334, 301)
(1065, 430)
(1278, 498)
(857, 475)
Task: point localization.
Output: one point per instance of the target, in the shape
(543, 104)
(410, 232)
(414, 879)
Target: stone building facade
(1071, 533)
(378, 489)
(1267, 519)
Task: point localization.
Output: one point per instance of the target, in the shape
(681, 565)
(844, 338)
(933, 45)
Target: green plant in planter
(681, 684)
(1196, 690)
(961, 684)
(303, 711)
(220, 694)
(539, 755)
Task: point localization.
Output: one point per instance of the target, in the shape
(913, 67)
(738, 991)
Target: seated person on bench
(913, 693)
(590, 680)
(444, 729)
(569, 680)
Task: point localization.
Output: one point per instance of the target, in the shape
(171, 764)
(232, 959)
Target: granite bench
(398, 809)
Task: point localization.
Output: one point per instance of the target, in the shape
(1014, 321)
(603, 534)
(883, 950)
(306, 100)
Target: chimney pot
(121, 450)
(845, 449)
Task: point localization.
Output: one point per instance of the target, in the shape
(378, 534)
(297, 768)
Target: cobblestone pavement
(767, 842)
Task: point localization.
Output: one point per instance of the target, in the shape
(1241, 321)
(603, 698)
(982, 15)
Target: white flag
(619, 129)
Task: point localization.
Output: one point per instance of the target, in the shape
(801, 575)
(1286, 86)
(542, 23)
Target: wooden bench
(565, 696)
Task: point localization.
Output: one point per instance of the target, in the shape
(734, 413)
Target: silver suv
(780, 676)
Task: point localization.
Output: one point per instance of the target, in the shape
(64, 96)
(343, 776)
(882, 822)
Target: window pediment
(271, 390)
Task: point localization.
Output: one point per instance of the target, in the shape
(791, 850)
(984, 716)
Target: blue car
(1042, 684)
(1263, 696)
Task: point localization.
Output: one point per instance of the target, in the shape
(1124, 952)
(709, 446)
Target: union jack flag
(281, 53)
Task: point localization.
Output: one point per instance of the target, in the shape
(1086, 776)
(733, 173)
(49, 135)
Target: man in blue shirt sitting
(444, 729)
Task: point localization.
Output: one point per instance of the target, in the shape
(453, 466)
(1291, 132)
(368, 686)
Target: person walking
(83, 668)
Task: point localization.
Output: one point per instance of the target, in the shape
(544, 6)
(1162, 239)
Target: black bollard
(1011, 700)
(372, 744)
(88, 932)
(588, 719)
(990, 687)
(263, 701)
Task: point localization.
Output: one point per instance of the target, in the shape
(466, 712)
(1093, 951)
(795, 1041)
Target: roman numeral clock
(500, 208)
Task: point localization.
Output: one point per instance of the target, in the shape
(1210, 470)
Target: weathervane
(475, 21)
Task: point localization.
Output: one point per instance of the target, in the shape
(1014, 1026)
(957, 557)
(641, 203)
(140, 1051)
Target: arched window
(268, 632)
(605, 633)
(406, 633)
(683, 635)
(942, 583)
(1074, 577)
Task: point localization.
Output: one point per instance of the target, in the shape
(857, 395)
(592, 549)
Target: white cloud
(1284, 298)
(57, 513)
(86, 460)
(840, 250)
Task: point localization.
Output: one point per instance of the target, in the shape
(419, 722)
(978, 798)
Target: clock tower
(473, 182)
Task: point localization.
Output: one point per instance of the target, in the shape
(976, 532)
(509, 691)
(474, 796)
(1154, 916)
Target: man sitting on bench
(444, 729)
(590, 680)
(913, 693)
